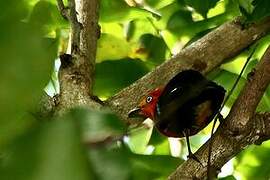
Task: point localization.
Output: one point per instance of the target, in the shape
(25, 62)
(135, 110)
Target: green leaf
(265, 101)
(255, 10)
(157, 4)
(202, 7)
(112, 76)
(166, 12)
(139, 138)
(98, 125)
(235, 66)
(120, 163)
(262, 45)
(251, 65)
(253, 162)
(26, 64)
(156, 138)
(50, 151)
(138, 27)
(114, 29)
(163, 148)
(264, 104)
(170, 39)
(181, 23)
(113, 11)
(231, 177)
(110, 163)
(46, 16)
(111, 47)
(154, 47)
(17, 124)
(227, 79)
(160, 165)
(179, 20)
(261, 10)
(12, 11)
(246, 6)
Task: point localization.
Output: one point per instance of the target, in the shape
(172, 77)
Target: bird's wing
(184, 84)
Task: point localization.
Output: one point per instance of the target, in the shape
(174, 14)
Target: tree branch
(240, 129)
(76, 73)
(62, 9)
(259, 132)
(256, 85)
(75, 27)
(203, 55)
(90, 33)
(45, 107)
(69, 13)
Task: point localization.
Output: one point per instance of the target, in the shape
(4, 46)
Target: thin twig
(75, 27)
(62, 9)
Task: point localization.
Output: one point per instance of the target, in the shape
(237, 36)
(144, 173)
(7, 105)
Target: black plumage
(187, 104)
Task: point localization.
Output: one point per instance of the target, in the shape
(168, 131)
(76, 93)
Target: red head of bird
(147, 105)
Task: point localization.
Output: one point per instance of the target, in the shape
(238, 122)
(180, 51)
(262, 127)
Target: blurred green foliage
(136, 37)
(202, 7)
(114, 75)
(51, 150)
(255, 10)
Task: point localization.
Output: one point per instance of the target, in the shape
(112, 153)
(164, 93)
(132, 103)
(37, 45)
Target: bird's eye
(149, 99)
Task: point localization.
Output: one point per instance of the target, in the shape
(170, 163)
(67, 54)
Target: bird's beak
(136, 113)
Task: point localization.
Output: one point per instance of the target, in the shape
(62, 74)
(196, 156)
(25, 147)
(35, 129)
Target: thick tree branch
(256, 85)
(262, 121)
(45, 107)
(88, 10)
(76, 73)
(240, 129)
(203, 55)
(259, 132)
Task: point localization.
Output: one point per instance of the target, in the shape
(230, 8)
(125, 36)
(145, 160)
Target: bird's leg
(190, 154)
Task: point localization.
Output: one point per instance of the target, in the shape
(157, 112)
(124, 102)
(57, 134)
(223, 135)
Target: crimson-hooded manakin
(187, 104)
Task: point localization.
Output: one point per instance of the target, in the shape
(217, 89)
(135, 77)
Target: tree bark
(76, 73)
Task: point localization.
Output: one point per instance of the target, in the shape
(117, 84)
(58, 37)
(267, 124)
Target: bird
(183, 107)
